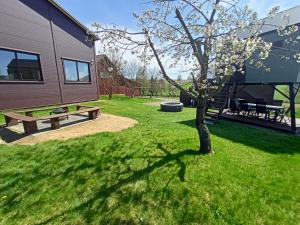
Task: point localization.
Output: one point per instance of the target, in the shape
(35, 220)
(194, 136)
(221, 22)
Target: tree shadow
(99, 198)
(264, 139)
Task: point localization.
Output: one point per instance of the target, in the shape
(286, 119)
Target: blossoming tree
(208, 36)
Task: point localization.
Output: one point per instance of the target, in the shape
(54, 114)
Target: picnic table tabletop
(272, 107)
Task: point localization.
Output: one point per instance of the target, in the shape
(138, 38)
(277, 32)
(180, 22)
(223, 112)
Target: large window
(76, 71)
(19, 66)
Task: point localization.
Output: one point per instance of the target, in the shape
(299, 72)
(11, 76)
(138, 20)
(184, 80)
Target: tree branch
(196, 50)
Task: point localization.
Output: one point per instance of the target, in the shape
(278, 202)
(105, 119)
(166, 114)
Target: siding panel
(71, 43)
(26, 25)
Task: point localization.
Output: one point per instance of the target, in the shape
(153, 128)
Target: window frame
(78, 78)
(24, 81)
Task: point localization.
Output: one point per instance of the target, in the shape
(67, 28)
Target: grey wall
(253, 92)
(282, 70)
(26, 25)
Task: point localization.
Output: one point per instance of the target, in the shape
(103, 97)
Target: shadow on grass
(99, 198)
(267, 140)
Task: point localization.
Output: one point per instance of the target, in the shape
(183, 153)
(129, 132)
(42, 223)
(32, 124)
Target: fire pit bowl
(171, 107)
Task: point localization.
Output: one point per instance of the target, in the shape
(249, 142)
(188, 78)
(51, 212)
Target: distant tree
(109, 69)
(189, 77)
(132, 71)
(143, 82)
(179, 78)
(161, 86)
(154, 74)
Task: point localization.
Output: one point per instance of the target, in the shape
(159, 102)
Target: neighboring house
(46, 56)
(282, 71)
(260, 84)
(117, 84)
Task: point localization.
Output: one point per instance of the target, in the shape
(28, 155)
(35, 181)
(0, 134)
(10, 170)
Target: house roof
(61, 9)
(272, 23)
(277, 19)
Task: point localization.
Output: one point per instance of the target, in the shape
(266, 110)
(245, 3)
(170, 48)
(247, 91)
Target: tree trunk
(203, 131)
(110, 96)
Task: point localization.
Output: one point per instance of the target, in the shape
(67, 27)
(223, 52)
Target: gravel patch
(106, 123)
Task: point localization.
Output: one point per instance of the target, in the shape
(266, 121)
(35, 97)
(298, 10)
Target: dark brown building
(46, 56)
(114, 82)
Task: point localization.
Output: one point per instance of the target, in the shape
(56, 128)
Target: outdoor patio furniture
(258, 109)
(30, 123)
(60, 111)
(29, 112)
(261, 109)
(277, 102)
(278, 112)
(260, 101)
(248, 108)
(235, 106)
(54, 119)
(282, 116)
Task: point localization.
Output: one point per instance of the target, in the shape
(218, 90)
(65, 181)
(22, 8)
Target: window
(19, 66)
(277, 44)
(76, 71)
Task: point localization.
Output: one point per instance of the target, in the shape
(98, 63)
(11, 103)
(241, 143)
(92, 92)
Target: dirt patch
(106, 123)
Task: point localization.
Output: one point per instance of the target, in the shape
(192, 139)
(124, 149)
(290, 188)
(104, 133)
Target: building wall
(70, 42)
(26, 25)
(282, 70)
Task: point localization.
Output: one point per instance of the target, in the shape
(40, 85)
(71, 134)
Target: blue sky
(119, 12)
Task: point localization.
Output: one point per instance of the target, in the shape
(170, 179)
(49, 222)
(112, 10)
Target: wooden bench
(28, 112)
(30, 123)
(54, 119)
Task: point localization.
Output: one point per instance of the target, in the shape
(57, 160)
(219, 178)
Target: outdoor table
(274, 108)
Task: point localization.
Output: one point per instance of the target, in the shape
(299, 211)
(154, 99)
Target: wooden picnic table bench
(30, 123)
(28, 112)
(54, 119)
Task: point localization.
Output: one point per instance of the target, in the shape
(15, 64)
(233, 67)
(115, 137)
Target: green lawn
(151, 174)
(285, 90)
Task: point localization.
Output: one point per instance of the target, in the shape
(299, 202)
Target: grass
(285, 90)
(152, 174)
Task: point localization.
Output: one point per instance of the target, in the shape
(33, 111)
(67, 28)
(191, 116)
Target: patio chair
(282, 116)
(262, 109)
(277, 102)
(234, 106)
(260, 101)
(246, 109)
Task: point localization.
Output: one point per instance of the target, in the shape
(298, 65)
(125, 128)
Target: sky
(119, 12)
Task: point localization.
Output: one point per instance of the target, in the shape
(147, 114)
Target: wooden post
(30, 127)
(55, 123)
(10, 121)
(93, 114)
(292, 107)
